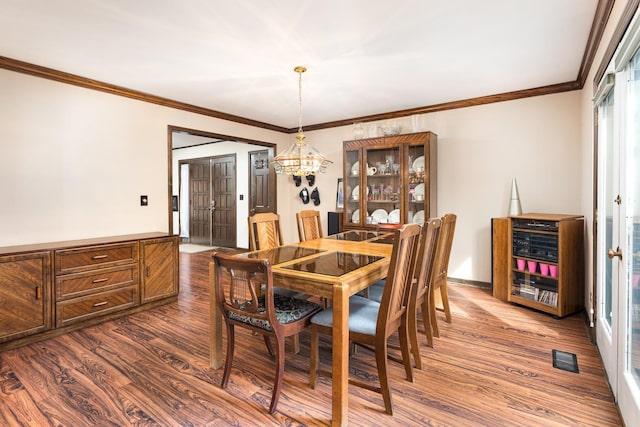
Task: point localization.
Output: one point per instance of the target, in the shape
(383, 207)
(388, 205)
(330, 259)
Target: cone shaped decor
(514, 205)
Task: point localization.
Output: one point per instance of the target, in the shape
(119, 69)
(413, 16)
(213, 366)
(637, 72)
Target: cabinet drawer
(82, 308)
(88, 258)
(79, 284)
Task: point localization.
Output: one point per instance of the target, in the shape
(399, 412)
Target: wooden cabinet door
(159, 272)
(25, 294)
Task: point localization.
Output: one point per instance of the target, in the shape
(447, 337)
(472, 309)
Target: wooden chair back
(445, 242)
(241, 297)
(438, 288)
(264, 231)
(309, 226)
(420, 290)
(396, 292)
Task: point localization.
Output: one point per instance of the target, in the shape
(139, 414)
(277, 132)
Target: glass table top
(385, 239)
(281, 254)
(334, 264)
(354, 235)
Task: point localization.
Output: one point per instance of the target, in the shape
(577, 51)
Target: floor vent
(565, 361)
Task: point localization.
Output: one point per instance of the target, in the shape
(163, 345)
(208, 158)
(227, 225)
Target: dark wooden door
(262, 182)
(223, 174)
(200, 202)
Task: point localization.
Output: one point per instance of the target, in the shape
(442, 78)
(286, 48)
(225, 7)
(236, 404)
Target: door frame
(171, 129)
(612, 344)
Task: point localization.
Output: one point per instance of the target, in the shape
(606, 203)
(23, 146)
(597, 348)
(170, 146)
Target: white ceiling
(364, 57)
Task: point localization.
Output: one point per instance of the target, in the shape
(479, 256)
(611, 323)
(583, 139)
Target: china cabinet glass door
(418, 190)
(383, 184)
(351, 184)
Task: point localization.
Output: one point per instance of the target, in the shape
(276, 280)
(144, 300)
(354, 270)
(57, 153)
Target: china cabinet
(390, 179)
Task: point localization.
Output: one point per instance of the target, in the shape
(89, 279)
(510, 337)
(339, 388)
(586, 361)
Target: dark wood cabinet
(390, 179)
(25, 295)
(48, 289)
(159, 268)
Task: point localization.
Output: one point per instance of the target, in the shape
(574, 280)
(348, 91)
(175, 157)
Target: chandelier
(300, 159)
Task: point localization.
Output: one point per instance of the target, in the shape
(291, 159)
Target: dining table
(333, 267)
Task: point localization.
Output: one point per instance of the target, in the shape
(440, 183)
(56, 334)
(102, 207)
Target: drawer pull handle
(38, 292)
(99, 304)
(100, 280)
(99, 256)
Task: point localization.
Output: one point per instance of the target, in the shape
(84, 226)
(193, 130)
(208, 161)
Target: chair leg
(426, 320)
(412, 325)
(432, 313)
(406, 354)
(381, 362)
(229, 360)
(267, 342)
(294, 341)
(279, 374)
(313, 356)
(444, 295)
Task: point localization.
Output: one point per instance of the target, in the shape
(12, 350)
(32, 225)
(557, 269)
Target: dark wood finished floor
(491, 367)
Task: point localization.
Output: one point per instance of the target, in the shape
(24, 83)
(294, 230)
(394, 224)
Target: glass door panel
(352, 188)
(417, 193)
(630, 381)
(609, 210)
(383, 182)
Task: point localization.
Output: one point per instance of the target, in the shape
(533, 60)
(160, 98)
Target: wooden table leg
(340, 375)
(215, 320)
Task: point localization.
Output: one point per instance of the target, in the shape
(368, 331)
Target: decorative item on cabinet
(515, 207)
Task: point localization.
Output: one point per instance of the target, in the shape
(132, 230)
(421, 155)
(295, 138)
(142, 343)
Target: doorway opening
(214, 214)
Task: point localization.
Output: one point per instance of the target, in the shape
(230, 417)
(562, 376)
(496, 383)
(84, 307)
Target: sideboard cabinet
(390, 179)
(25, 294)
(48, 289)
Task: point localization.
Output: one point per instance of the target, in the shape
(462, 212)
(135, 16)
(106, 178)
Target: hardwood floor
(491, 367)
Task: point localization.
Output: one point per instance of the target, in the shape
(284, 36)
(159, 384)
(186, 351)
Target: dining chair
(374, 291)
(309, 226)
(264, 231)
(371, 323)
(440, 272)
(419, 296)
(269, 314)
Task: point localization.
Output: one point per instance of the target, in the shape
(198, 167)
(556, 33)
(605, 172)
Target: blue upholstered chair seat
(287, 310)
(363, 316)
(376, 290)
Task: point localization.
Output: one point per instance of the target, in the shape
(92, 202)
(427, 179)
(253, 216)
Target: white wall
(480, 149)
(74, 163)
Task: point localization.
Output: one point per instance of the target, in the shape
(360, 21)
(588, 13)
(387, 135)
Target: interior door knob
(617, 253)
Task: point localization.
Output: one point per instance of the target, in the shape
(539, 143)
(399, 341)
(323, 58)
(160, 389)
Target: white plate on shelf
(418, 164)
(419, 189)
(418, 218)
(355, 194)
(355, 217)
(379, 216)
(355, 169)
(394, 216)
